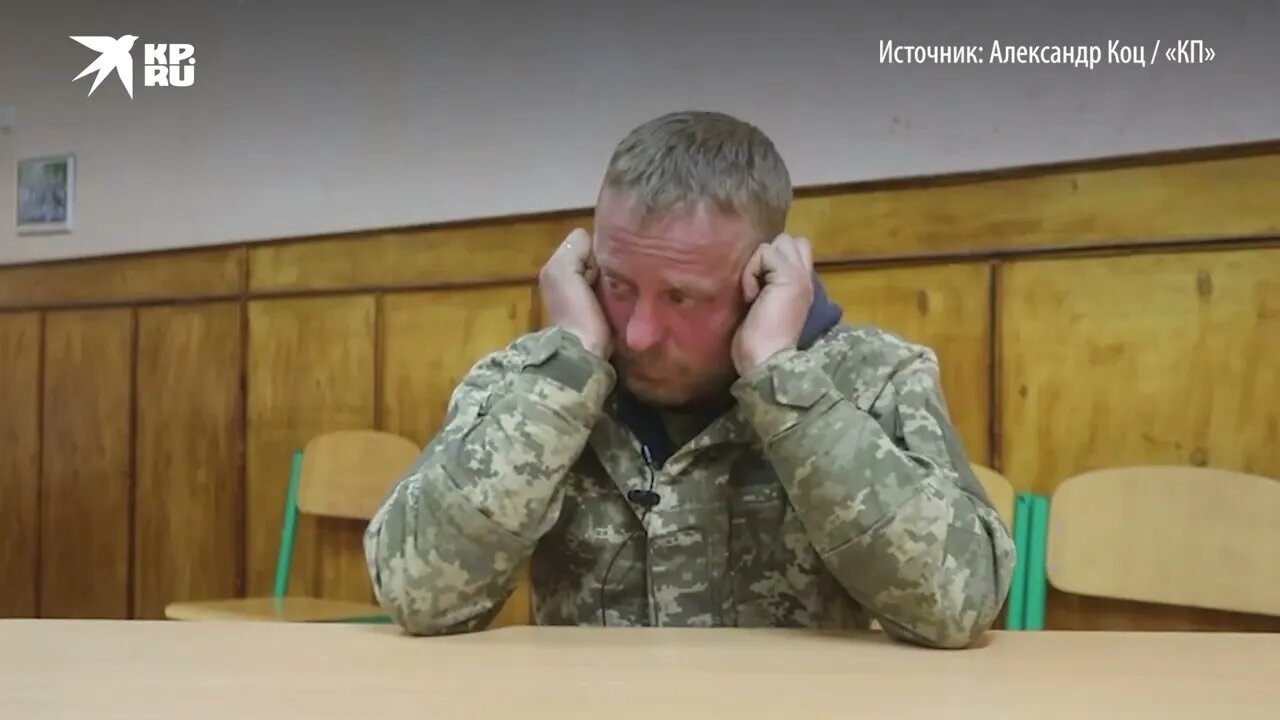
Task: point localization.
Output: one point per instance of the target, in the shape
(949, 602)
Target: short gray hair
(681, 159)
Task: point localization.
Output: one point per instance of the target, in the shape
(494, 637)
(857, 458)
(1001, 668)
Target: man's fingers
(772, 260)
(794, 250)
(786, 247)
(767, 260)
(751, 275)
(806, 253)
(576, 245)
(575, 253)
(750, 288)
(577, 236)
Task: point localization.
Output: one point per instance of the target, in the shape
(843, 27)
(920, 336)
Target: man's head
(686, 200)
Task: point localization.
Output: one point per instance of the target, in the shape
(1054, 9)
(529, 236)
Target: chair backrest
(1185, 536)
(348, 473)
(999, 491)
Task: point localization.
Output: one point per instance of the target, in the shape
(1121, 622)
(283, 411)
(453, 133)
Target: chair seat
(287, 609)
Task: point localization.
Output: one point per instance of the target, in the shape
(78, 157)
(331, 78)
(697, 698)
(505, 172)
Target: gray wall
(319, 117)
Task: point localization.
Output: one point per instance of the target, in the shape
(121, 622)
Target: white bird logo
(114, 55)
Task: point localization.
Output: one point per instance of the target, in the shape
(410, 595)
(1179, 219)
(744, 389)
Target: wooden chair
(342, 474)
(999, 490)
(1182, 536)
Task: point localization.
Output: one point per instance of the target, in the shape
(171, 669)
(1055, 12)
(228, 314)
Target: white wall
(320, 117)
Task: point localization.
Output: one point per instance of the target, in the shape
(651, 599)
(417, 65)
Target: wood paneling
(1173, 200)
(431, 339)
(186, 531)
(1176, 201)
(1171, 358)
(85, 498)
(310, 370)
(1155, 203)
(19, 463)
(946, 307)
(1153, 359)
(474, 254)
(168, 276)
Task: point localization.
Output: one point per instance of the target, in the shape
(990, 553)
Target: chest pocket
(756, 511)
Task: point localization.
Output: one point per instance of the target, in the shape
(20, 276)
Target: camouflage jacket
(832, 491)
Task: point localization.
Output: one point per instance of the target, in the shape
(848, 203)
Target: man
(697, 440)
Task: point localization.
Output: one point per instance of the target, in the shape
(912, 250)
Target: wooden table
(224, 670)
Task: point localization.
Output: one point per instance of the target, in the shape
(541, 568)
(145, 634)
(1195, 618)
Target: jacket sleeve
(444, 547)
(888, 500)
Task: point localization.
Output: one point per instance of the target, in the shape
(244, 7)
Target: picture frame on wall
(46, 194)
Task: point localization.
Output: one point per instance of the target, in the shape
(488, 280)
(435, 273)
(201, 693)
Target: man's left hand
(778, 285)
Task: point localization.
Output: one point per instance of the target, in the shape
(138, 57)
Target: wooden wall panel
(215, 272)
(431, 339)
(946, 307)
(19, 463)
(474, 254)
(1171, 358)
(188, 445)
(1172, 200)
(310, 370)
(86, 460)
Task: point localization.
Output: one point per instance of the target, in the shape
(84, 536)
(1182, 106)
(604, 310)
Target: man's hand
(778, 285)
(565, 283)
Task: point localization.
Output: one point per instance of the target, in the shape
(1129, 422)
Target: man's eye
(679, 298)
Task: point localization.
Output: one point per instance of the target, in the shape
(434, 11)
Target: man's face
(672, 294)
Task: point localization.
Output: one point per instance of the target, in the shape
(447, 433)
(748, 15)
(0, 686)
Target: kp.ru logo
(164, 64)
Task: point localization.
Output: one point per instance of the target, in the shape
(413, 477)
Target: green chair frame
(284, 558)
(1027, 592)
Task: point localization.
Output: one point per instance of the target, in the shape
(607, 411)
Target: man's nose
(643, 327)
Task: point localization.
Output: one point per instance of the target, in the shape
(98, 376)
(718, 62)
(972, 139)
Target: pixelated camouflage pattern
(835, 490)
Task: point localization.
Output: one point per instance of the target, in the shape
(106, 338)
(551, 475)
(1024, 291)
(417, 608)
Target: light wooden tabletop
(137, 669)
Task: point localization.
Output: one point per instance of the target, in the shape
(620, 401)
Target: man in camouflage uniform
(696, 440)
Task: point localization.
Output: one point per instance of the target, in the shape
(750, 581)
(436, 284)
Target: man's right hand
(565, 283)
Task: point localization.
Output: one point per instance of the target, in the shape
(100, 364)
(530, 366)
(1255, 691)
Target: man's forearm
(894, 525)
(443, 548)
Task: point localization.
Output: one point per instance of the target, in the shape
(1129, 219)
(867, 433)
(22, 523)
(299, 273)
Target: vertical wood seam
(242, 433)
(995, 437)
(38, 577)
(534, 320)
(379, 354)
(131, 592)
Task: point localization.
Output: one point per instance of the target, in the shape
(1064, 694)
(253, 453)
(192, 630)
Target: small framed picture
(46, 194)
